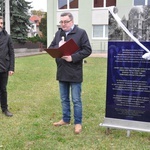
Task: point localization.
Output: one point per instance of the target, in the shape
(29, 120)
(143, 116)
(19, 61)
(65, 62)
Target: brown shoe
(78, 128)
(61, 123)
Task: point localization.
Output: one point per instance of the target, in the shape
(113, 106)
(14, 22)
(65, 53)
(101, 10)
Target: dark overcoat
(6, 52)
(72, 71)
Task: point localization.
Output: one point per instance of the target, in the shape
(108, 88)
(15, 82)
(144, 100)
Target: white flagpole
(7, 16)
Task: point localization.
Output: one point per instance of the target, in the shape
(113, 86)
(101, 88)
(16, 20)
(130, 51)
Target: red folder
(65, 50)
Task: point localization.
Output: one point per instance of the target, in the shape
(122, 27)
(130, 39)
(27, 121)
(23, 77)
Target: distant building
(92, 15)
(34, 28)
(138, 24)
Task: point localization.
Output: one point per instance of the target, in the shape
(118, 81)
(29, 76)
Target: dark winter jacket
(72, 71)
(6, 52)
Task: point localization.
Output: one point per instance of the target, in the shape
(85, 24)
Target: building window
(98, 3)
(141, 2)
(110, 3)
(73, 4)
(100, 31)
(104, 3)
(62, 4)
(67, 4)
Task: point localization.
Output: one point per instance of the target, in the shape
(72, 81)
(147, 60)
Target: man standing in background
(7, 60)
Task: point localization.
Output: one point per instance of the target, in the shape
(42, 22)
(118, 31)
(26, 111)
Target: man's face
(1, 24)
(66, 23)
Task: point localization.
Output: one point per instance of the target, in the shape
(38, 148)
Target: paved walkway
(25, 54)
(99, 55)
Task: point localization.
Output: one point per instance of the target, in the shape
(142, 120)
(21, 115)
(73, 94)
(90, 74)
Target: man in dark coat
(6, 66)
(70, 71)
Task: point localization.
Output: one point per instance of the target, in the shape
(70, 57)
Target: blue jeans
(76, 99)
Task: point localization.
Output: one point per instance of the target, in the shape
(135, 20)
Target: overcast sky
(38, 4)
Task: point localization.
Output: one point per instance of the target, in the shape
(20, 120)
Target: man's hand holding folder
(66, 49)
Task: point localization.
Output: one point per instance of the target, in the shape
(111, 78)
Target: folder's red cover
(65, 50)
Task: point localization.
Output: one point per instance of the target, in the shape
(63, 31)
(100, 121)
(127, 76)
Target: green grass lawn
(34, 100)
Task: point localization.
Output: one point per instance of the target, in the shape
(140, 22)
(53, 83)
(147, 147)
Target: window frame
(104, 26)
(68, 6)
(104, 4)
(145, 2)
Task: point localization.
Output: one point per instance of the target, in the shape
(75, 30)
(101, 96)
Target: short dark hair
(1, 17)
(67, 14)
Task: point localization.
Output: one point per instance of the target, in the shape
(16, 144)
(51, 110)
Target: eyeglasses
(65, 22)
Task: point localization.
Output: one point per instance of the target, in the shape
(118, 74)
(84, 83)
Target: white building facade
(91, 15)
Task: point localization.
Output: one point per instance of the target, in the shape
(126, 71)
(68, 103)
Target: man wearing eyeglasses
(69, 70)
(6, 66)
